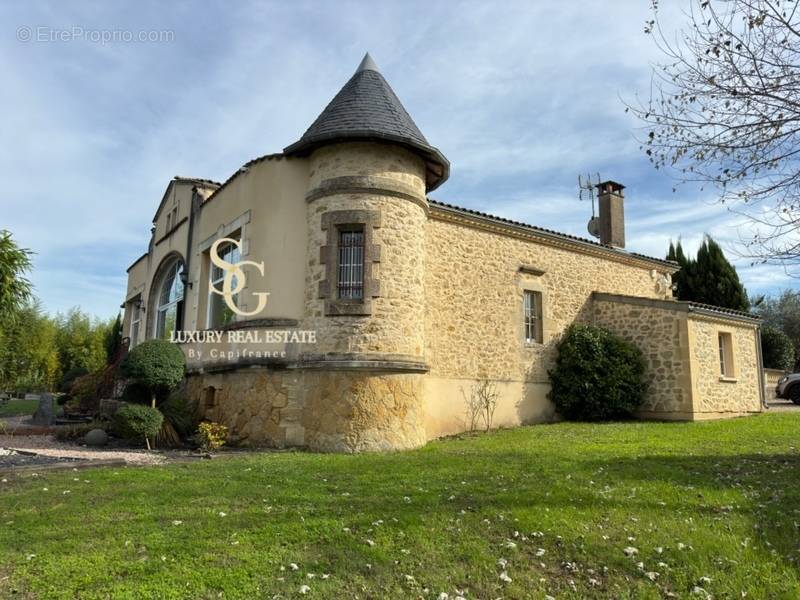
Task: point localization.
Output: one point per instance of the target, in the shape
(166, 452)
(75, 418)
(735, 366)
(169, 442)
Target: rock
(96, 437)
(45, 414)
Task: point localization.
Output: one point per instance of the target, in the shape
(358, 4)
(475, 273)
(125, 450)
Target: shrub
(155, 364)
(72, 433)
(481, 403)
(85, 392)
(179, 414)
(69, 378)
(211, 435)
(136, 421)
(137, 393)
(776, 349)
(597, 375)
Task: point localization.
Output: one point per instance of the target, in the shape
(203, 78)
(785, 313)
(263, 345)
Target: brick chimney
(612, 213)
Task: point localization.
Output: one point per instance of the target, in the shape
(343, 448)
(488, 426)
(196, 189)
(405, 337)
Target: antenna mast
(586, 190)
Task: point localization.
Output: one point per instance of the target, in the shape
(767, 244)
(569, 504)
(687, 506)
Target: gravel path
(12, 458)
(47, 445)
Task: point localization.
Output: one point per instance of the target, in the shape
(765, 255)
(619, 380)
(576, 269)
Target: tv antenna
(586, 190)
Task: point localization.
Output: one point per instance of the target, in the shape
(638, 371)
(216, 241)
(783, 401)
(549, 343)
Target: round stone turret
(370, 169)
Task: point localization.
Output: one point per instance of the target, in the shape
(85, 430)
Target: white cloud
(521, 100)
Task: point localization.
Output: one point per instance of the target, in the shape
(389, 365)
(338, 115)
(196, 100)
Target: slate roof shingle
(367, 108)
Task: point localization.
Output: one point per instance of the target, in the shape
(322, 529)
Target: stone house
(409, 301)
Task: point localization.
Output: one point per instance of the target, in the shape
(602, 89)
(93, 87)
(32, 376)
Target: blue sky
(520, 99)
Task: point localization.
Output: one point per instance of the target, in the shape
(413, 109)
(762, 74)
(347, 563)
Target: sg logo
(232, 270)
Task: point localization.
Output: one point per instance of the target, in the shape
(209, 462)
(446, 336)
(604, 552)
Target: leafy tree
(28, 356)
(724, 111)
(709, 278)
(81, 341)
(113, 339)
(15, 289)
(783, 313)
(156, 364)
(777, 349)
(597, 376)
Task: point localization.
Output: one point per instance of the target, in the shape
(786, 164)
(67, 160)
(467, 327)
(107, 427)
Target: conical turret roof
(367, 108)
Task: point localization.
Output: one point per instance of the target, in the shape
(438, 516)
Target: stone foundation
(326, 411)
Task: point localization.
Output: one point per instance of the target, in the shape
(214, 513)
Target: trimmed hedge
(155, 364)
(137, 421)
(597, 376)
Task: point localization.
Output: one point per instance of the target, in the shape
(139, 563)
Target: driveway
(781, 405)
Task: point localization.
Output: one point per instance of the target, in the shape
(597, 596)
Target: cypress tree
(709, 278)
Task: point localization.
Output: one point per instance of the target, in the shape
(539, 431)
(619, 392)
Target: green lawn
(559, 503)
(16, 407)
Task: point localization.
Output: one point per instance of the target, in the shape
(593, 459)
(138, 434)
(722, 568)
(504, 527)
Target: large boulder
(45, 414)
(96, 437)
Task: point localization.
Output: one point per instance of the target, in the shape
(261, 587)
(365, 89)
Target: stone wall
(771, 378)
(661, 333)
(258, 405)
(716, 395)
(371, 173)
(363, 411)
(327, 411)
(474, 290)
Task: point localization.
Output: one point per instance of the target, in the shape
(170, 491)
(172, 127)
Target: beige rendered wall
(164, 244)
(717, 396)
(266, 205)
(473, 318)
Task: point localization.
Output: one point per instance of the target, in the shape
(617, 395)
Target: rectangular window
(725, 354)
(350, 282)
(219, 313)
(532, 317)
(135, 321)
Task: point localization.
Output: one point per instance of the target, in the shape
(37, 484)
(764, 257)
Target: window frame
(353, 270)
(211, 297)
(532, 317)
(136, 323)
(171, 273)
(333, 222)
(725, 354)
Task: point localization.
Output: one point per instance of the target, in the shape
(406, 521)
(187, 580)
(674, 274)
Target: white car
(789, 387)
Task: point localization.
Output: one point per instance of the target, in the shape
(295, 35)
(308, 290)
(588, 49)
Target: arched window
(219, 313)
(170, 300)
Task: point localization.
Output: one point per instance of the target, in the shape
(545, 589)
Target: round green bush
(137, 421)
(597, 376)
(155, 364)
(137, 393)
(777, 349)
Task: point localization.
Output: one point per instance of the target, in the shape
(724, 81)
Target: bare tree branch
(724, 110)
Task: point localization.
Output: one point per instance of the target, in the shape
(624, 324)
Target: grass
(560, 503)
(17, 407)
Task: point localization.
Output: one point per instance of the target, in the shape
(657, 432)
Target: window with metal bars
(532, 317)
(350, 282)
